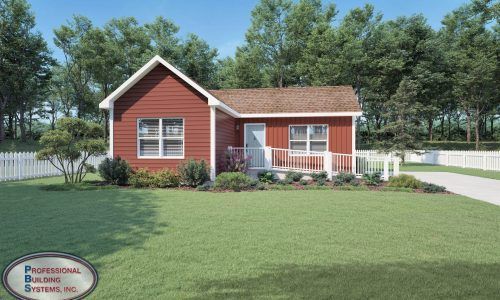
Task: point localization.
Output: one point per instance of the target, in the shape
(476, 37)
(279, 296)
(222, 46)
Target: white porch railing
(310, 161)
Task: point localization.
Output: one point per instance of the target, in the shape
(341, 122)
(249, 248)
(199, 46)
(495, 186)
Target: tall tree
(198, 61)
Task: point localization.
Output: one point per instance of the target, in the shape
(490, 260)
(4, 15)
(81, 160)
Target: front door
(255, 141)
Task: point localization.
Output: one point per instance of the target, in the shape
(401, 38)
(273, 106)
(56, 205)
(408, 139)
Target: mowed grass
(163, 244)
(418, 167)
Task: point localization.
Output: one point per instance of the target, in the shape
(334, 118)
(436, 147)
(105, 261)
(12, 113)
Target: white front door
(255, 141)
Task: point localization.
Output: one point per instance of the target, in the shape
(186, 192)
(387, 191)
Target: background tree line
(413, 82)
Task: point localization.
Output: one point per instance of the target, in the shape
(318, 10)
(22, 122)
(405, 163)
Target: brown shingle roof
(290, 99)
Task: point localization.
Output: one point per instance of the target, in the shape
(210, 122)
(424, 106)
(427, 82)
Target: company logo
(49, 275)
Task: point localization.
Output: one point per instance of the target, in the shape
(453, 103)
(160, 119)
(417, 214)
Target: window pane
(149, 128)
(149, 147)
(318, 132)
(172, 148)
(298, 132)
(298, 145)
(318, 146)
(173, 128)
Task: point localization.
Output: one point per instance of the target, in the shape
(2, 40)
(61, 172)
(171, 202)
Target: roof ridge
(288, 87)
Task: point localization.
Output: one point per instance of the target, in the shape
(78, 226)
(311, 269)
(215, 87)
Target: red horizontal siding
(161, 94)
(339, 131)
(225, 135)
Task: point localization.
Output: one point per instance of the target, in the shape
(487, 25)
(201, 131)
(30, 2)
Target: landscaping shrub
(320, 182)
(207, 186)
(115, 171)
(284, 182)
(352, 188)
(345, 179)
(373, 179)
(405, 181)
(266, 177)
(141, 179)
(193, 173)
(396, 189)
(293, 176)
(432, 188)
(235, 181)
(303, 182)
(323, 175)
(235, 162)
(261, 186)
(165, 178)
(281, 187)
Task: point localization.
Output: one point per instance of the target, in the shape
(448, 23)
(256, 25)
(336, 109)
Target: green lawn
(418, 167)
(161, 244)
(18, 146)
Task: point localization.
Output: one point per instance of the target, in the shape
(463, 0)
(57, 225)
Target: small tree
(69, 146)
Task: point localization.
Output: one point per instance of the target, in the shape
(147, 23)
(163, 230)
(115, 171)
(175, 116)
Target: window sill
(160, 157)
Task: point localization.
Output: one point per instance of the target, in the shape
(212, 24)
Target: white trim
(213, 119)
(111, 135)
(308, 148)
(160, 138)
(353, 145)
(245, 134)
(298, 115)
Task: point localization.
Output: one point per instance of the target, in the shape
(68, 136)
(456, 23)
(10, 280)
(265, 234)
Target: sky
(222, 23)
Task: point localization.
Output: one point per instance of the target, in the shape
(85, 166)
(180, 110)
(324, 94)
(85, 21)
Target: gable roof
(263, 102)
(291, 100)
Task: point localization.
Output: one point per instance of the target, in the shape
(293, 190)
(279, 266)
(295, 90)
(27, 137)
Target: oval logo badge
(49, 275)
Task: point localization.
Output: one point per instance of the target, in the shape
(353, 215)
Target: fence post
(19, 166)
(396, 166)
(463, 160)
(328, 164)
(447, 158)
(386, 169)
(484, 162)
(268, 158)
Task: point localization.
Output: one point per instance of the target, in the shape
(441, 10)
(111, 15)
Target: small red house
(160, 117)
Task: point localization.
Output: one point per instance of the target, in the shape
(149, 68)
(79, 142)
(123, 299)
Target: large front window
(309, 137)
(161, 138)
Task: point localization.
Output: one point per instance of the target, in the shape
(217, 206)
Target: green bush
(165, 179)
(352, 188)
(405, 181)
(115, 171)
(193, 173)
(281, 187)
(320, 182)
(303, 182)
(141, 178)
(396, 189)
(293, 176)
(323, 175)
(235, 181)
(345, 179)
(207, 186)
(432, 188)
(266, 177)
(373, 179)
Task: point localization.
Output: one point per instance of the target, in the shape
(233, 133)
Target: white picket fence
(24, 165)
(485, 160)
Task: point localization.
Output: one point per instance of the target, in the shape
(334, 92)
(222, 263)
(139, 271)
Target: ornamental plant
(69, 146)
(235, 162)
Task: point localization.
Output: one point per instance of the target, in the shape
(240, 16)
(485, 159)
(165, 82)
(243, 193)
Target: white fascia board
(222, 106)
(108, 102)
(298, 115)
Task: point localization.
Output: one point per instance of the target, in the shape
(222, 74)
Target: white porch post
(353, 163)
(268, 158)
(212, 142)
(328, 164)
(396, 166)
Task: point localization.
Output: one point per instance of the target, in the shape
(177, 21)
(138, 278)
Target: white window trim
(308, 141)
(160, 138)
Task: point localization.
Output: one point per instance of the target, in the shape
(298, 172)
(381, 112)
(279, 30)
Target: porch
(277, 159)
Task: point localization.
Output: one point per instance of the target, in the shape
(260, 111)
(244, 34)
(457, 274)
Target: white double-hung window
(309, 138)
(160, 138)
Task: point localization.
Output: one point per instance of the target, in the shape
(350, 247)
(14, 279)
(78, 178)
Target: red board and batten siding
(277, 131)
(161, 94)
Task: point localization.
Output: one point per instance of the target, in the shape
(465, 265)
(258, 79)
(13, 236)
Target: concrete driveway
(479, 188)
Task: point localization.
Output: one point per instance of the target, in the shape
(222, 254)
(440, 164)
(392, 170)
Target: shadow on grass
(355, 281)
(91, 224)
